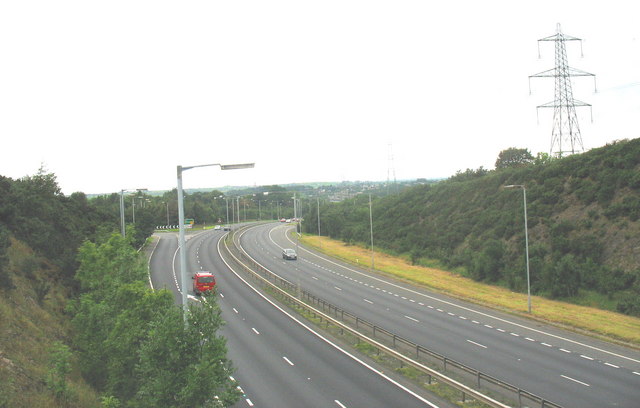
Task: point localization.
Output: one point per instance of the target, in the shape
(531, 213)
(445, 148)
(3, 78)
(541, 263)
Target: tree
(59, 368)
(5, 279)
(514, 157)
(186, 365)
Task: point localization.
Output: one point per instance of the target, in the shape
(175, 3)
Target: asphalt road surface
(561, 366)
(280, 362)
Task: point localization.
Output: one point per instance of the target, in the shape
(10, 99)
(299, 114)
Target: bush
(5, 278)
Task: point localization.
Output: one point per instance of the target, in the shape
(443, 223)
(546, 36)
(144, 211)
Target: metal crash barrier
(407, 352)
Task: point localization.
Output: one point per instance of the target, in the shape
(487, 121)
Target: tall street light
(526, 240)
(373, 267)
(181, 243)
(122, 226)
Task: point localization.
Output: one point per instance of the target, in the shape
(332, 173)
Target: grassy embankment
(32, 318)
(581, 318)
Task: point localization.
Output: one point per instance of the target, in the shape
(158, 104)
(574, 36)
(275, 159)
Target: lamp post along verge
(181, 238)
(526, 241)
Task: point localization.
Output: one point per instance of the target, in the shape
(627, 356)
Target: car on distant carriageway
(289, 253)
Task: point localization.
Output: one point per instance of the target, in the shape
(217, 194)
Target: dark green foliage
(562, 279)
(470, 221)
(182, 366)
(487, 264)
(132, 342)
(59, 368)
(513, 157)
(5, 279)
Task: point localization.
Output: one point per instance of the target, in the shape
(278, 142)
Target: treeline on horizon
(583, 216)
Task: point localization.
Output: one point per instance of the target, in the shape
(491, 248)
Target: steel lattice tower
(565, 136)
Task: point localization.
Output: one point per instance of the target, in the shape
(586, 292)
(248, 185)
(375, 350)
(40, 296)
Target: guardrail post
(519, 397)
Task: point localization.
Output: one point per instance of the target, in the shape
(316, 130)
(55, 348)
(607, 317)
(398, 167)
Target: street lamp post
(526, 240)
(373, 267)
(181, 243)
(122, 224)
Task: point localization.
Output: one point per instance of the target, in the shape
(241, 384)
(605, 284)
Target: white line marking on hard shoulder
(249, 402)
(477, 344)
(574, 380)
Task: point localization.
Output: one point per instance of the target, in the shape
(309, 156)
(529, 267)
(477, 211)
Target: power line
(565, 135)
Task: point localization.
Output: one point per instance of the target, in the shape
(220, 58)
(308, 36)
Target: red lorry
(204, 283)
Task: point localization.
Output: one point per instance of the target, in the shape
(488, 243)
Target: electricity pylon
(565, 136)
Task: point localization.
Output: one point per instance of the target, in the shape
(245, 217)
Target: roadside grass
(31, 320)
(598, 322)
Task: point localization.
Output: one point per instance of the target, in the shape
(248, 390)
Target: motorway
(561, 366)
(279, 361)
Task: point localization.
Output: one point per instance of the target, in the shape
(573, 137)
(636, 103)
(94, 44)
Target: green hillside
(79, 326)
(583, 221)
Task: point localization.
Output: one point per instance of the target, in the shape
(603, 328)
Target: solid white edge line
(149, 263)
(335, 346)
(464, 307)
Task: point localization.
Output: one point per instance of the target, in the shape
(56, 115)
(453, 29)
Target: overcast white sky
(112, 95)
